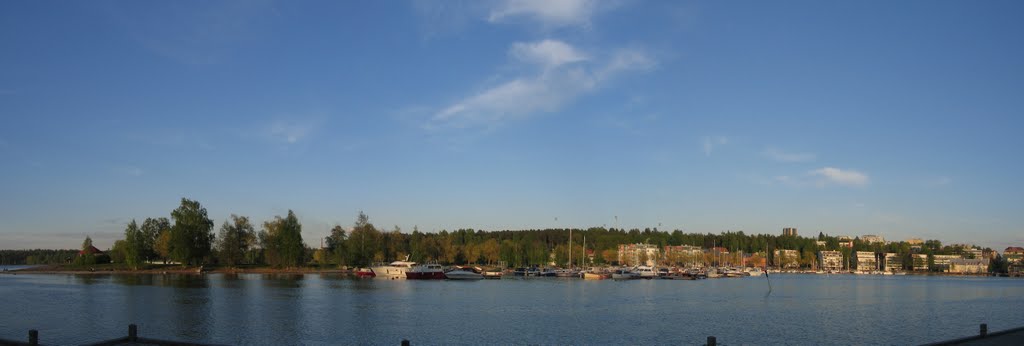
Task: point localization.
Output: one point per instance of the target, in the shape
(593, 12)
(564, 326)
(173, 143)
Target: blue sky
(895, 118)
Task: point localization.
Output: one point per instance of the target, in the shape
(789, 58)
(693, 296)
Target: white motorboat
(394, 270)
(646, 272)
(755, 271)
(463, 274)
(625, 274)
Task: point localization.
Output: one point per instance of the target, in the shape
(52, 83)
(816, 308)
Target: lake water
(333, 309)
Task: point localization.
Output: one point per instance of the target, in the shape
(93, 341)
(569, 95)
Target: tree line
(188, 238)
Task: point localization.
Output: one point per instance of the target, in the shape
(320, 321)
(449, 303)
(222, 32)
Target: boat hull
(388, 272)
(425, 275)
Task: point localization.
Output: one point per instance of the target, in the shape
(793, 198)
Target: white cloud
(549, 53)
(290, 132)
(832, 175)
(710, 142)
(561, 74)
(551, 13)
(781, 156)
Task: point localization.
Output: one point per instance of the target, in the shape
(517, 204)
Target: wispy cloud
(781, 156)
(547, 53)
(937, 181)
(291, 131)
(562, 73)
(550, 13)
(127, 170)
(709, 143)
(835, 176)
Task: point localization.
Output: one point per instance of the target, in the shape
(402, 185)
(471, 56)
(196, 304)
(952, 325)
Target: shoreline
(52, 269)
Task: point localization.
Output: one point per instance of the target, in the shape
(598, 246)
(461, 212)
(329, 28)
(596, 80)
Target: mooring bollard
(133, 333)
(712, 341)
(405, 342)
(33, 337)
(984, 330)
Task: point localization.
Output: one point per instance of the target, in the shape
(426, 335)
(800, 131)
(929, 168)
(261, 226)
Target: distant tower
(789, 231)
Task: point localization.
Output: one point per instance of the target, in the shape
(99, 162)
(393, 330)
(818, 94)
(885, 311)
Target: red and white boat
(426, 272)
(365, 273)
(395, 270)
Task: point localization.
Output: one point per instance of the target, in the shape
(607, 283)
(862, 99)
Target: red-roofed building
(1013, 254)
(91, 250)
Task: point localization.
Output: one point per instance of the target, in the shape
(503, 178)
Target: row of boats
(431, 271)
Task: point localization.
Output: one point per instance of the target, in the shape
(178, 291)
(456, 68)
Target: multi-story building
(684, 254)
(941, 262)
(865, 261)
(920, 261)
(789, 231)
(872, 239)
(820, 243)
(968, 266)
(1014, 254)
(638, 254)
(845, 241)
(787, 258)
(830, 260)
(892, 262)
(915, 244)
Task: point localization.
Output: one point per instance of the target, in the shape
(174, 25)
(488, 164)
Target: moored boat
(365, 273)
(646, 272)
(394, 270)
(625, 274)
(426, 272)
(463, 273)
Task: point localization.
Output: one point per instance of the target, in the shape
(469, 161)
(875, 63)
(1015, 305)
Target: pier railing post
(33, 337)
(712, 341)
(984, 330)
(133, 333)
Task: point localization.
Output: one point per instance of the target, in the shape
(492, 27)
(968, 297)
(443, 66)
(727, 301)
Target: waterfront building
(789, 231)
(845, 241)
(892, 262)
(684, 254)
(865, 261)
(820, 243)
(1015, 269)
(830, 260)
(968, 266)
(941, 262)
(787, 258)
(872, 239)
(920, 261)
(915, 244)
(1014, 254)
(638, 254)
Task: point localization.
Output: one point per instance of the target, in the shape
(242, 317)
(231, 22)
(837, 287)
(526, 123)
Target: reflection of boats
(463, 273)
(624, 274)
(395, 270)
(425, 272)
(365, 273)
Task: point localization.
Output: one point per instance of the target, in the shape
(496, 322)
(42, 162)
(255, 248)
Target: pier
(1013, 336)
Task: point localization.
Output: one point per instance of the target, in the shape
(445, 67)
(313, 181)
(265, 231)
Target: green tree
(134, 245)
(282, 241)
(363, 242)
(192, 234)
(234, 240)
(87, 243)
(152, 229)
(336, 245)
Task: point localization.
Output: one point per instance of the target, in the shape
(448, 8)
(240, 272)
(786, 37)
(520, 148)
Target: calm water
(331, 309)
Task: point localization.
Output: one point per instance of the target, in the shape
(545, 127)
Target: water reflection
(190, 308)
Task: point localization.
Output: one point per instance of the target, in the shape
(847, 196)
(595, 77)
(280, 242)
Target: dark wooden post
(405, 342)
(712, 341)
(984, 330)
(133, 332)
(33, 337)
